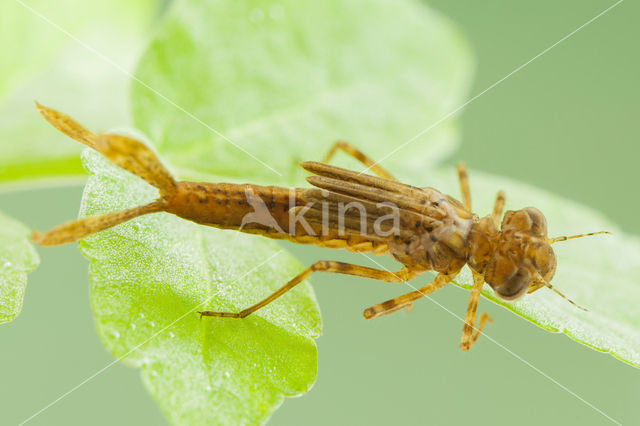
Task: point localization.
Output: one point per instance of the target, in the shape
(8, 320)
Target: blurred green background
(567, 122)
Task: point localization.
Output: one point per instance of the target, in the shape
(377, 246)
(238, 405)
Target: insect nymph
(430, 231)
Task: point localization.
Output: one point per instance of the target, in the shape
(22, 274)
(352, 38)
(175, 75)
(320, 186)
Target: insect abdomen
(260, 210)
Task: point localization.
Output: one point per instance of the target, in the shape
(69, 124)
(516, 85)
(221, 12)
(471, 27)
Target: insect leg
(464, 185)
(497, 208)
(405, 301)
(360, 156)
(402, 275)
(469, 333)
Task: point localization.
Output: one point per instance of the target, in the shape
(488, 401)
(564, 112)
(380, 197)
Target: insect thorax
(442, 249)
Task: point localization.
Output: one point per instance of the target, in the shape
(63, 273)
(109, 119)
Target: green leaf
(17, 258)
(284, 79)
(601, 273)
(41, 62)
(150, 276)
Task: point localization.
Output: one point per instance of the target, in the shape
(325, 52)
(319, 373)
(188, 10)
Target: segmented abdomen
(262, 210)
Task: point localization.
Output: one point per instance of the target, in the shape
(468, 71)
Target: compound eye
(514, 286)
(538, 221)
(544, 261)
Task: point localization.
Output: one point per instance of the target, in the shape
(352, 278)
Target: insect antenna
(557, 239)
(549, 286)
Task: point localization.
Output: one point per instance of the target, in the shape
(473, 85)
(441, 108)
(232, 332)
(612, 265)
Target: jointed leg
(323, 266)
(464, 185)
(405, 301)
(498, 207)
(469, 334)
(360, 156)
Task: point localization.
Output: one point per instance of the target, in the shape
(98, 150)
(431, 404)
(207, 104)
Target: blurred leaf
(284, 79)
(17, 258)
(601, 273)
(150, 276)
(40, 62)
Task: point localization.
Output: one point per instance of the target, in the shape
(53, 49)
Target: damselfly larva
(421, 228)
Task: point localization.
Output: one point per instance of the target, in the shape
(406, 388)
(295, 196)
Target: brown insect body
(433, 232)
(226, 206)
(426, 230)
